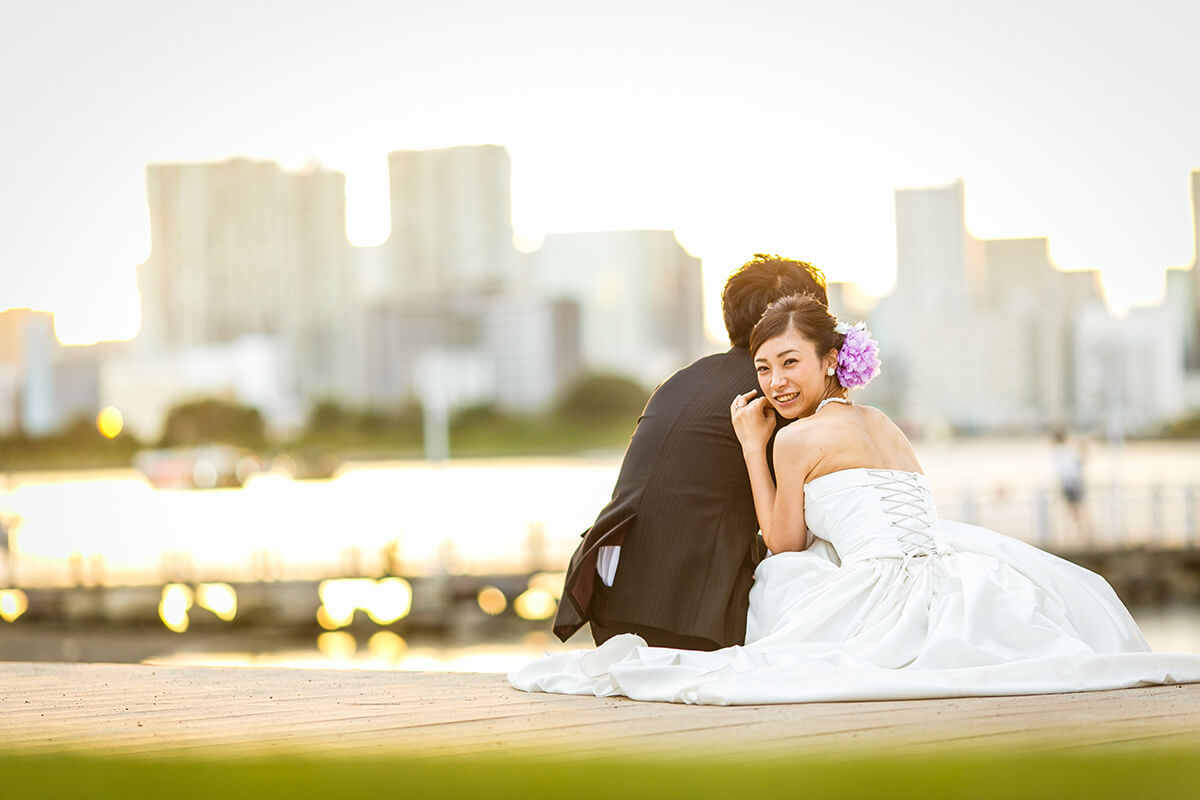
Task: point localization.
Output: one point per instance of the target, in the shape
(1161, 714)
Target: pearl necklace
(829, 400)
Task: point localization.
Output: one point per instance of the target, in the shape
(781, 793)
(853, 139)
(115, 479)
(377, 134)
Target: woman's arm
(753, 422)
(780, 511)
(763, 488)
(788, 530)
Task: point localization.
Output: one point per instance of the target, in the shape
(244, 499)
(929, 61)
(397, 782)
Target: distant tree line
(597, 411)
(1185, 427)
(212, 421)
(77, 445)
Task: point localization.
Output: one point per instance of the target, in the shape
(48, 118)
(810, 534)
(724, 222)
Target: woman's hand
(753, 421)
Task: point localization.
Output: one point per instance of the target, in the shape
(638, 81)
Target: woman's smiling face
(791, 375)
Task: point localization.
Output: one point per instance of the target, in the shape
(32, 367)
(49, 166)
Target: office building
(639, 299)
(245, 248)
(451, 212)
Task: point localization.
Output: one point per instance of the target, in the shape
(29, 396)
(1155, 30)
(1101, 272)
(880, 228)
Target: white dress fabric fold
(890, 603)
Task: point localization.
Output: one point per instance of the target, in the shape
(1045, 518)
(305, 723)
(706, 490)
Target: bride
(867, 594)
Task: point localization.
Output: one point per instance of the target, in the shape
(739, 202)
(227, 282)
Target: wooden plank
(141, 708)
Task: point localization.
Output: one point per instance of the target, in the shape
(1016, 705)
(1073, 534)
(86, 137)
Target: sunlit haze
(757, 126)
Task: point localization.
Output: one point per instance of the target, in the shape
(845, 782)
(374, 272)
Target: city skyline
(252, 291)
(754, 130)
(250, 274)
(868, 293)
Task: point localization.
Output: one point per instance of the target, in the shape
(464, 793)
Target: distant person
(672, 556)
(913, 606)
(1068, 466)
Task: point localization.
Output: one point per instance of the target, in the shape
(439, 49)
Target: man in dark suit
(672, 556)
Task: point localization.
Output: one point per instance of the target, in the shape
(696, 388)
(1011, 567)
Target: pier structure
(1142, 575)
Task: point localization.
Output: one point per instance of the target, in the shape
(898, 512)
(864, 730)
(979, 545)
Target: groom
(672, 556)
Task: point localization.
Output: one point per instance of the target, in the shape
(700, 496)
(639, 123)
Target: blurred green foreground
(1105, 774)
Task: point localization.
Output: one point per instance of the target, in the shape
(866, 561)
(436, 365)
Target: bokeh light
(13, 603)
(535, 604)
(389, 600)
(385, 600)
(341, 597)
(177, 600)
(491, 600)
(219, 598)
(326, 621)
(110, 422)
(387, 646)
(337, 644)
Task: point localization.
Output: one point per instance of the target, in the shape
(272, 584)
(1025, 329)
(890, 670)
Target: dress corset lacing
(903, 501)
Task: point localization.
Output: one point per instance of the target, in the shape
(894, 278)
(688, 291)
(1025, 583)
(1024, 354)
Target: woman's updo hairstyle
(800, 312)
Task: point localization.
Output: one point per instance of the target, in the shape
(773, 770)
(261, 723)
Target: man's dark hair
(761, 281)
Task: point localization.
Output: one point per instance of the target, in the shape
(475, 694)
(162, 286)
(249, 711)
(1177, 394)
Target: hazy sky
(749, 126)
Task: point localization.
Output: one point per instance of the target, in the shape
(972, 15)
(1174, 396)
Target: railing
(1110, 516)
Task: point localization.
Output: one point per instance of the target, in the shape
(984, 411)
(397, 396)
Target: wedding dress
(890, 603)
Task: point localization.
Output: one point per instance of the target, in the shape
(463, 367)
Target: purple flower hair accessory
(858, 359)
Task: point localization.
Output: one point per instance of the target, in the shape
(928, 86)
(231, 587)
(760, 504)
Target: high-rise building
(639, 295)
(1180, 290)
(1034, 309)
(28, 348)
(980, 333)
(44, 385)
(77, 371)
(244, 248)
(451, 213)
(1129, 375)
(517, 351)
(939, 264)
(1191, 316)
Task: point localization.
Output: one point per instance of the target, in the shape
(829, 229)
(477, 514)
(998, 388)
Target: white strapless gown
(890, 603)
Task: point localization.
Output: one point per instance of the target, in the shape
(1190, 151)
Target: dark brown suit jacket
(682, 513)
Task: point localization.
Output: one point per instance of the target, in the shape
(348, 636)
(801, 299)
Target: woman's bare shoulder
(877, 418)
(873, 412)
(808, 439)
(799, 432)
(798, 447)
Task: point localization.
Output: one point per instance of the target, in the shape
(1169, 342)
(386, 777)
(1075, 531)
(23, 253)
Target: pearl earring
(830, 372)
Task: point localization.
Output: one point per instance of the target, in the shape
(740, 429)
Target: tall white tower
(939, 264)
(451, 222)
(242, 248)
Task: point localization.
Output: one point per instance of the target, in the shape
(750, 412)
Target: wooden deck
(110, 708)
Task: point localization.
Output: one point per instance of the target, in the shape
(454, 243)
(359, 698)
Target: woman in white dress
(867, 594)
